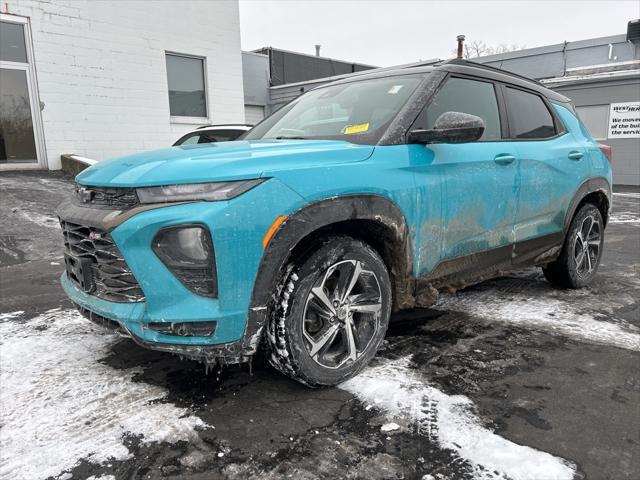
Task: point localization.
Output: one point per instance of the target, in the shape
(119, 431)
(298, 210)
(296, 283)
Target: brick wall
(102, 76)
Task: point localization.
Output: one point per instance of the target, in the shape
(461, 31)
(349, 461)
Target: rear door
(551, 167)
(479, 178)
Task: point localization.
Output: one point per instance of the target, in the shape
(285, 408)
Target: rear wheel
(331, 313)
(578, 262)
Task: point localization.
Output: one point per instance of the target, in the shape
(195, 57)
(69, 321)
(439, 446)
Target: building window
(596, 119)
(187, 93)
(12, 46)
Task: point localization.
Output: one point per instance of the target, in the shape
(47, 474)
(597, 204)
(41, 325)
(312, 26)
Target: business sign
(624, 120)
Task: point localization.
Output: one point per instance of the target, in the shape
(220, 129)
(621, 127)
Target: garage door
(253, 114)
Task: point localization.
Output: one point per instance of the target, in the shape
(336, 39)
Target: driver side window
(466, 96)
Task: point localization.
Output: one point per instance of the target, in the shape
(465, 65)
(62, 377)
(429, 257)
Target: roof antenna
(460, 44)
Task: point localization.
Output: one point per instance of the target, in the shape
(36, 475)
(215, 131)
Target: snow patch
(452, 423)
(10, 315)
(543, 313)
(389, 427)
(627, 194)
(40, 219)
(624, 217)
(60, 404)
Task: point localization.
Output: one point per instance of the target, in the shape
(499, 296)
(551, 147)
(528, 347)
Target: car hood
(220, 161)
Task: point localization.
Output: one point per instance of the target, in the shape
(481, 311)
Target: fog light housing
(184, 329)
(187, 251)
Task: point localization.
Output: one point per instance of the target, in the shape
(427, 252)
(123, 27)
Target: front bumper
(237, 228)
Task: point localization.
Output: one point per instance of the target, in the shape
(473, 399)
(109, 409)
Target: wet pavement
(507, 379)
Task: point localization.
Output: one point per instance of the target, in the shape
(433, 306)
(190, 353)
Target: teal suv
(359, 198)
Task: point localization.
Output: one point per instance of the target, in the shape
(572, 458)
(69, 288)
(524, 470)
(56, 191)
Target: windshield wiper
(287, 137)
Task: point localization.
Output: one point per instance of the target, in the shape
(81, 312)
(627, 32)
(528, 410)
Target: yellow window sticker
(351, 129)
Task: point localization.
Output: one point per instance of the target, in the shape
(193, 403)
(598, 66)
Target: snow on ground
(624, 210)
(625, 217)
(60, 404)
(627, 194)
(544, 313)
(450, 420)
(41, 220)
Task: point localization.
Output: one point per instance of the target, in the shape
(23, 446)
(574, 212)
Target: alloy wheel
(342, 314)
(587, 246)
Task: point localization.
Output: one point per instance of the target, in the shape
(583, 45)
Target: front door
(20, 139)
(479, 179)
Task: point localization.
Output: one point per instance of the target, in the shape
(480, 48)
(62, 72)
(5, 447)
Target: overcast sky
(388, 32)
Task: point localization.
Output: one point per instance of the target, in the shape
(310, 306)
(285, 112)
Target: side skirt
(460, 272)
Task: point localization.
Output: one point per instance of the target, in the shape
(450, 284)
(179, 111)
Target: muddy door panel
(479, 196)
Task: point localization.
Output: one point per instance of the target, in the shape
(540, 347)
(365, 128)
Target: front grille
(112, 278)
(118, 198)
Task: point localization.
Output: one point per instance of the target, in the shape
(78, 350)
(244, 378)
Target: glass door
(17, 140)
(19, 117)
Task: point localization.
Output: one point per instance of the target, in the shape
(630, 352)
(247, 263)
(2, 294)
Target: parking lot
(509, 379)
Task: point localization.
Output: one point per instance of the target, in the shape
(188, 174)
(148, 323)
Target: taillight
(606, 149)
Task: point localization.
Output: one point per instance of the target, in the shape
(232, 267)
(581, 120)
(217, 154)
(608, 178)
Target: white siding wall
(102, 74)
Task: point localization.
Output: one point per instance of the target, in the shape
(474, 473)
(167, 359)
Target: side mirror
(450, 127)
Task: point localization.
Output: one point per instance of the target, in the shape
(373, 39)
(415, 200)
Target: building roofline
(453, 65)
(257, 50)
(336, 78)
(256, 54)
(591, 78)
(555, 47)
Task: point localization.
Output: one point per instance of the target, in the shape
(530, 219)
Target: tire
(574, 268)
(308, 332)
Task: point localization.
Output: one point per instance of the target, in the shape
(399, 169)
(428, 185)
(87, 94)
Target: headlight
(210, 192)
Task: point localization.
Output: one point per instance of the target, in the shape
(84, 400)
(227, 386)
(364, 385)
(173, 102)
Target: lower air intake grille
(112, 278)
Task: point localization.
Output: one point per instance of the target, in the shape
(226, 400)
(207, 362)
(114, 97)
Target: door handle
(504, 159)
(575, 155)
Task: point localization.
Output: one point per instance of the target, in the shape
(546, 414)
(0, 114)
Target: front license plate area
(79, 271)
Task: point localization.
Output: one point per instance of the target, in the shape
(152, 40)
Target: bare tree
(478, 48)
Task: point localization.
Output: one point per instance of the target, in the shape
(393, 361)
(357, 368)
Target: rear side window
(466, 96)
(529, 117)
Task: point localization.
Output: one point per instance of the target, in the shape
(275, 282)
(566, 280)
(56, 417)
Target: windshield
(358, 111)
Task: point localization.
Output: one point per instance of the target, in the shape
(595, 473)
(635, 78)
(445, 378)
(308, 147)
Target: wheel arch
(595, 190)
(372, 218)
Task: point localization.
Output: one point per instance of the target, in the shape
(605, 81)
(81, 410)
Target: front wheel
(578, 262)
(331, 313)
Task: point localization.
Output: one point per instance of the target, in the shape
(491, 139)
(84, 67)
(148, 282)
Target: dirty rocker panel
(467, 269)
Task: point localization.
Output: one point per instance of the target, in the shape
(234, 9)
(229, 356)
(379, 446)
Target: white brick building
(95, 78)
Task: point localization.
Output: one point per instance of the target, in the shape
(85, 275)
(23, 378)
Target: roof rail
(470, 63)
(226, 125)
